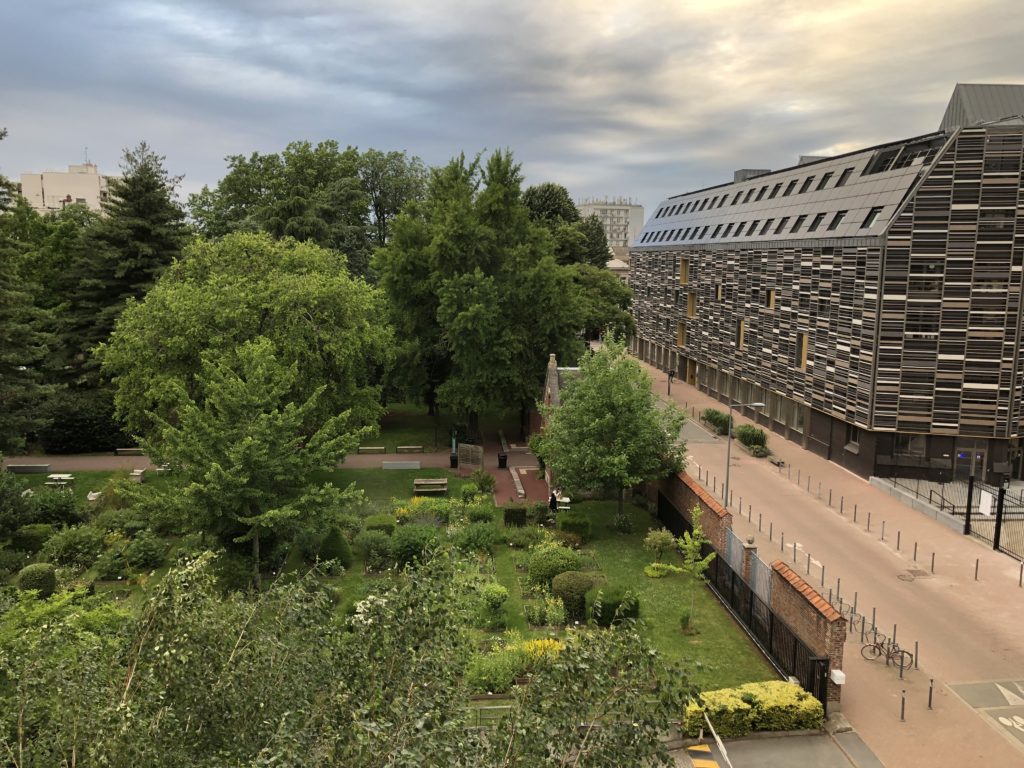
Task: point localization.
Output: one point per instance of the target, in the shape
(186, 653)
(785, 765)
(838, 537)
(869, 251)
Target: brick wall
(685, 493)
(810, 616)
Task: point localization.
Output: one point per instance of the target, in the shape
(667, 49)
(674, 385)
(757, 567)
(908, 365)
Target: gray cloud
(618, 98)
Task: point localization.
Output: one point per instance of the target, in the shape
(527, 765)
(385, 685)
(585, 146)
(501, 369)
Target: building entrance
(969, 460)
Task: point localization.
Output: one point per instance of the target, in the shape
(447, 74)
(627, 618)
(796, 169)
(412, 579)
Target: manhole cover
(905, 577)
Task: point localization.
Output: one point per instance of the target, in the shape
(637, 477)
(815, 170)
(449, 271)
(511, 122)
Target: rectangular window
(767, 226)
(739, 228)
(910, 445)
(807, 184)
(844, 177)
(750, 193)
(693, 236)
(760, 194)
(703, 204)
(836, 220)
(789, 188)
(801, 350)
(681, 335)
(718, 292)
(852, 435)
(676, 298)
(817, 222)
(769, 298)
(753, 226)
(873, 214)
(713, 199)
(823, 182)
(721, 200)
(687, 208)
(704, 231)
(684, 272)
(728, 229)
(740, 334)
(691, 304)
(775, 190)
(799, 222)
(737, 198)
(717, 230)
(782, 225)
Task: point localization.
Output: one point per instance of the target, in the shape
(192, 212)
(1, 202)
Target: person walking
(553, 501)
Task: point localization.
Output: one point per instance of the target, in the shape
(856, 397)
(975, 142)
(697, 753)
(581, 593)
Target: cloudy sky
(641, 99)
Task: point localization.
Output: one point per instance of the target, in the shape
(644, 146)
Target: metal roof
(973, 104)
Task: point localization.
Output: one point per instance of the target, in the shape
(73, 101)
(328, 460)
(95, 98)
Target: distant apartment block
(622, 220)
(52, 190)
(874, 301)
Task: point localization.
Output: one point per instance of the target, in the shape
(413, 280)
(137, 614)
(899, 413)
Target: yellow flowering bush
(770, 706)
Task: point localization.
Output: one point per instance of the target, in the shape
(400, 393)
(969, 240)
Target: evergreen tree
(595, 249)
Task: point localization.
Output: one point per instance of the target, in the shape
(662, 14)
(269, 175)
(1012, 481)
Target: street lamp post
(728, 446)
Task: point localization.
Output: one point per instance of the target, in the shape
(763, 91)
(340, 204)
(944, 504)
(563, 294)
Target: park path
(967, 630)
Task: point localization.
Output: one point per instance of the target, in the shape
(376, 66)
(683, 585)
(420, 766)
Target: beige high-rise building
(52, 190)
(622, 219)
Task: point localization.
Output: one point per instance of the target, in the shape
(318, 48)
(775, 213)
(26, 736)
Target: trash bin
(453, 460)
(502, 461)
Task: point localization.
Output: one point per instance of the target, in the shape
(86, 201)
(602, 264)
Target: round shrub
(375, 547)
(476, 537)
(31, 538)
(335, 547)
(515, 516)
(574, 521)
(41, 577)
(56, 508)
(411, 542)
(467, 492)
(384, 523)
(146, 551)
(612, 605)
(494, 596)
(76, 547)
(483, 480)
(571, 587)
(549, 560)
(483, 513)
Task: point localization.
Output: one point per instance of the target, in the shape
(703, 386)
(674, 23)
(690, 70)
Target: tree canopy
(610, 432)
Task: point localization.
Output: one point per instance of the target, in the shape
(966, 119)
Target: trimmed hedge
(768, 706)
(751, 436)
(39, 576)
(574, 521)
(571, 587)
(717, 419)
(515, 516)
(611, 605)
(335, 547)
(384, 523)
(549, 560)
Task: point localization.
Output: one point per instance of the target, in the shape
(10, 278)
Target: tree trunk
(256, 559)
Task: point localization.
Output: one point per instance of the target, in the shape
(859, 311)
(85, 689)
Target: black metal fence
(783, 647)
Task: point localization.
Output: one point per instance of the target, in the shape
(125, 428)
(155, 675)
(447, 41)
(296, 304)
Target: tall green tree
(390, 179)
(222, 294)
(610, 432)
(246, 454)
(604, 301)
(550, 203)
(595, 251)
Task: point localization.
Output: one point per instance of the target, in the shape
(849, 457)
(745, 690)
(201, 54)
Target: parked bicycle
(892, 653)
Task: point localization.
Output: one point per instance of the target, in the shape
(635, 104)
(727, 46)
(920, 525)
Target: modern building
(872, 300)
(52, 190)
(622, 220)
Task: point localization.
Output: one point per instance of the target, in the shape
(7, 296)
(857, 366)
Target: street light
(728, 445)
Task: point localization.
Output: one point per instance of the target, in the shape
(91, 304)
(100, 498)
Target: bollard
(869, 522)
(830, 595)
(798, 477)
(794, 551)
(750, 513)
(759, 516)
(976, 562)
(741, 506)
(915, 551)
(715, 486)
(862, 622)
(855, 513)
(933, 562)
(855, 601)
(898, 540)
(883, 530)
(808, 483)
(894, 634)
(782, 541)
(819, 489)
(808, 563)
(822, 575)
(1020, 578)
(841, 500)
(770, 527)
(916, 654)
(839, 583)
(901, 665)
(931, 684)
(830, 497)
(903, 705)
(873, 618)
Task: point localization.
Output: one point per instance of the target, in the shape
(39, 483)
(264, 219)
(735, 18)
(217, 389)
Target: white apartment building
(52, 190)
(622, 219)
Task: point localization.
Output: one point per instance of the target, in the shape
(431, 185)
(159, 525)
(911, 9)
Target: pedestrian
(553, 501)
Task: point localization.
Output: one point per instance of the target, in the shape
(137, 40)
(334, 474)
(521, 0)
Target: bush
(111, 565)
(515, 516)
(483, 513)
(571, 587)
(468, 492)
(574, 521)
(495, 672)
(751, 436)
(38, 576)
(661, 570)
(567, 539)
(14, 508)
(554, 612)
(375, 547)
(384, 523)
(56, 508)
(78, 547)
(476, 537)
(684, 620)
(717, 419)
(659, 541)
(335, 547)
(483, 480)
(760, 452)
(525, 537)
(768, 706)
(550, 559)
(411, 542)
(126, 520)
(611, 605)
(539, 511)
(622, 523)
(81, 421)
(494, 595)
(11, 561)
(146, 551)
(31, 538)
(534, 613)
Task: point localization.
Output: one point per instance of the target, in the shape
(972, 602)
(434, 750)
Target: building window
(750, 193)
(782, 225)
(693, 236)
(836, 220)
(740, 334)
(713, 199)
(823, 182)
(717, 230)
(704, 231)
(798, 223)
(767, 226)
(739, 228)
(684, 273)
(753, 226)
(873, 214)
(681, 335)
(789, 188)
(807, 184)
(721, 200)
(910, 445)
(676, 297)
(801, 350)
(728, 229)
(817, 222)
(769, 298)
(718, 292)
(844, 177)
(737, 198)
(852, 435)
(691, 304)
(687, 208)
(760, 194)
(775, 190)
(703, 204)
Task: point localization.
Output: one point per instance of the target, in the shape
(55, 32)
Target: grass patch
(410, 424)
(382, 485)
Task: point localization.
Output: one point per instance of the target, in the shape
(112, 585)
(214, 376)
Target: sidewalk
(967, 630)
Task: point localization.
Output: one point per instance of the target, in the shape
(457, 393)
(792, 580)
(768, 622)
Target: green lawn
(84, 482)
(382, 485)
(409, 424)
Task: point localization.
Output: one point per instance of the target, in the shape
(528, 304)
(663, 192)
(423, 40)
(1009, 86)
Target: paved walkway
(967, 630)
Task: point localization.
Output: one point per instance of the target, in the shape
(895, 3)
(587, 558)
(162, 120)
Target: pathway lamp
(728, 446)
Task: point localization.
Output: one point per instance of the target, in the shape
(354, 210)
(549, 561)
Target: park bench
(370, 449)
(28, 469)
(128, 452)
(410, 449)
(59, 480)
(423, 486)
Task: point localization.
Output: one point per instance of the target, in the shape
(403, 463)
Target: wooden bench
(370, 449)
(128, 452)
(410, 449)
(423, 486)
(28, 469)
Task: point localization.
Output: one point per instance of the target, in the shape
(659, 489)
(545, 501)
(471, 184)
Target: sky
(640, 99)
